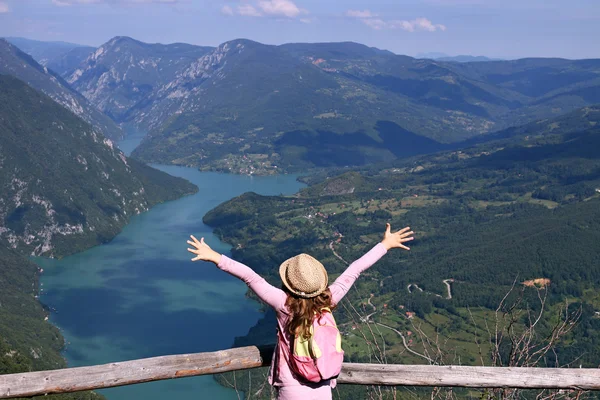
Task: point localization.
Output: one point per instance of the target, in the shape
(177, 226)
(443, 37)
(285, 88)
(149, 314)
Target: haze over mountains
(61, 57)
(459, 58)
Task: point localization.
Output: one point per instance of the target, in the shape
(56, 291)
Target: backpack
(319, 357)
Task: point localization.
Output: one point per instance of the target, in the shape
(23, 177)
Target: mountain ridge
(243, 100)
(133, 68)
(22, 66)
(66, 187)
(61, 57)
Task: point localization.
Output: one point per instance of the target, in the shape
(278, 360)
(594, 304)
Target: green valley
(517, 216)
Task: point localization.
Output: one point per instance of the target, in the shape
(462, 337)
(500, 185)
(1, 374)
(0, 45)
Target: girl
(305, 293)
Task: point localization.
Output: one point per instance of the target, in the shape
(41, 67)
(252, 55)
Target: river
(141, 296)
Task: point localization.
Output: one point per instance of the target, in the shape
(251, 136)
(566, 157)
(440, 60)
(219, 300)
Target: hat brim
(283, 274)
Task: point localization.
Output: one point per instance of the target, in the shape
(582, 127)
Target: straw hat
(304, 275)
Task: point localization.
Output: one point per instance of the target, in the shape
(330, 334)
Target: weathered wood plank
(179, 366)
(131, 372)
(474, 377)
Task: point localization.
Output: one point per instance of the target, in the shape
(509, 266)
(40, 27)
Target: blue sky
(496, 28)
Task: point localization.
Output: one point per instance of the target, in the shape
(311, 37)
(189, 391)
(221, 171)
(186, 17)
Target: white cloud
(360, 14)
(274, 8)
(227, 10)
(418, 24)
(4, 7)
(375, 23)
(248, 10)
(372, 20)
(284, 8)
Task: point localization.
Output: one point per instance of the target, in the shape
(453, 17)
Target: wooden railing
(184, 365)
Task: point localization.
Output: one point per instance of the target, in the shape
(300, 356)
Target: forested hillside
(65, 188)
(27, 341)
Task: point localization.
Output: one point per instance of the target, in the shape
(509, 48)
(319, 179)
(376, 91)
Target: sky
(494, 28)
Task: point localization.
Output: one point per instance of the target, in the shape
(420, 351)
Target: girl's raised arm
(269, 294)
(344, 282)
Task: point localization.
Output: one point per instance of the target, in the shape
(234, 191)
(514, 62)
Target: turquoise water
(141, 296)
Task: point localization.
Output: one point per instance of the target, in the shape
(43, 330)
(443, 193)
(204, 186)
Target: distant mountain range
(246, 106)
(61, 57)
(459, 58)
(15, 62)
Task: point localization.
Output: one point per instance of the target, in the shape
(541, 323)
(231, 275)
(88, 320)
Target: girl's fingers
(404, 247)
(406, 239)
(197, 243)
(194, 239)
(196, 258)
(197, 246)
(403, 230)
(388, 228)
(195, 251)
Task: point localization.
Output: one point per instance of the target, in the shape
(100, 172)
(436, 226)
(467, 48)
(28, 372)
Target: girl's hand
(396, 239)
(203, 251)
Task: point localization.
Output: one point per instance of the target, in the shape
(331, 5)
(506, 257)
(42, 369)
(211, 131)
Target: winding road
(336, 254)
(411, 285)
(404, 342)
(447, 282)
(368, 317)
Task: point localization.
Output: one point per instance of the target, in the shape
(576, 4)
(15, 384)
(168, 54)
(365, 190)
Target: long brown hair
(303, 311)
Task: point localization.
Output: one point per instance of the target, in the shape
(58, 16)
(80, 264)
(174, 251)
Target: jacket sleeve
(344, 282)
(266, 292)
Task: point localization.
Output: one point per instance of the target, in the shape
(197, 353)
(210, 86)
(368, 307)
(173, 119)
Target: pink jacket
(280, 374)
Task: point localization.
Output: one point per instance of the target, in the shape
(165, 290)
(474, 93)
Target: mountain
(460, 58)
(60, 57)
(467, 58)
(432, 55)
(297, 105)
(16, 63)
(66, 64)
(129, 80)
(571, 123)
(65, 186)
(552, 86)
(45, 53)
(249, 107)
